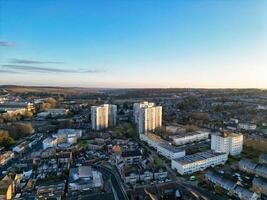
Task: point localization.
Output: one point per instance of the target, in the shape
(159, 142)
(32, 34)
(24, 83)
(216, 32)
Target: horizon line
(131, 88)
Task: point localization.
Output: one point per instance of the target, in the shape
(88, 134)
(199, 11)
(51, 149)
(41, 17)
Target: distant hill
(45, 89)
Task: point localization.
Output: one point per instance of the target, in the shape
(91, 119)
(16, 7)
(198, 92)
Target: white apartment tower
(103, 116)
(149, 118)
(226, 142)
(138, 106)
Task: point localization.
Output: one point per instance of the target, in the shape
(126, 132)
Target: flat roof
(182, 134)
(248, 163)
(169, 147)
(197, 157)
(226, 134)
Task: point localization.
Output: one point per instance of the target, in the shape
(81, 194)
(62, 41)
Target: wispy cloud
(26, 61)
(8, 71)
(93, 71)
(27, 68)
(7, 44)
(33, 68)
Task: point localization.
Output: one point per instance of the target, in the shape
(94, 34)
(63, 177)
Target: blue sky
(123, 43)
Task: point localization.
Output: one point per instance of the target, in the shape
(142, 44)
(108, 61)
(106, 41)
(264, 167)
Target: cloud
(33, 68)
(8, 71)
(7, 44)
(94, 71)
(27, 68)
(25, 61)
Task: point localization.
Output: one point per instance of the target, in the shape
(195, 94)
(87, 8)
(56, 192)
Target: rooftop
(217, 178)
(248, 164)
(132, 153)
(169, 147)
(197, 157)
(260, 181)
(263, 158)
(227, 134)
(187, 134)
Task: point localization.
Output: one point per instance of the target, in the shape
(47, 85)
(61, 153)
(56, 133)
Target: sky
(134, 44)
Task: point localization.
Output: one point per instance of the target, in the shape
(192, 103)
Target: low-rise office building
(184, 138)
(169, 151)
(198, 162)
(14, 108)
(68, 135)
(84, 178)
(162, 146)
(247, 126)
(55, 112)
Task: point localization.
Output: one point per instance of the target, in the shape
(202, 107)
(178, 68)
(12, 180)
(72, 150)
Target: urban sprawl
(133, 144)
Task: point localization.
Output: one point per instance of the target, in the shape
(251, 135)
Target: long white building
(198, 162)
(170, 152)
(103, 116)
(148, 117)
(162, 147)
(68, 135)
(227, 142)
(184, 138)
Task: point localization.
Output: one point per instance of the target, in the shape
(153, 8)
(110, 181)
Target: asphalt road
(116, 182)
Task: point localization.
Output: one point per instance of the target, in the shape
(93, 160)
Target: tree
(218, 189)
(19, 130)
(200, 116)
(45, 106)
(65, 124)
(5, 139)
(189, 103)
(28, 114)
(52, 102)
(191, 128)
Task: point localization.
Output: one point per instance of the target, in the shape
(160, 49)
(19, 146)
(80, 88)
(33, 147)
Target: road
(116, 182)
